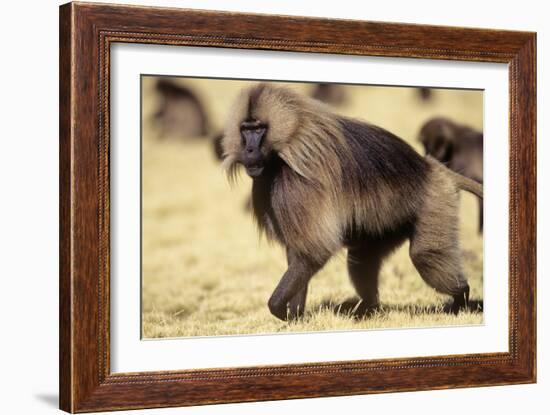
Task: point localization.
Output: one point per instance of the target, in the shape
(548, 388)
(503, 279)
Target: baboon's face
(260, 127)
(254, 150)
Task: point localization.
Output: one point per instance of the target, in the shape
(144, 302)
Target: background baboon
(322, 182)
(180, 112)
(425, 94)
(332, 94)
(459, 147)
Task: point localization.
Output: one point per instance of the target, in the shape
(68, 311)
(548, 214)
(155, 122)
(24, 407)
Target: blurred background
(206, 271)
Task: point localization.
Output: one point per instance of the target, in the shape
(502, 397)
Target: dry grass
(206, 271)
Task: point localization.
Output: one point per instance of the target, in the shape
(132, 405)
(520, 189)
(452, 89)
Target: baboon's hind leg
(363, 268)
(435, 250)
(364, 262)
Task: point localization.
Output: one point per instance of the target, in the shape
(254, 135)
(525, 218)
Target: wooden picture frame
(86, 33)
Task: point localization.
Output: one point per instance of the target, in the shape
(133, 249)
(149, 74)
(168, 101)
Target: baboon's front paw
(278, 309)
(294, 313)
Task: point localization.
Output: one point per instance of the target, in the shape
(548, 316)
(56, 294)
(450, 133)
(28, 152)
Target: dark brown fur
(180, 113)
(425, 94)
(459, 147)
(217, 146)
(329, 182)
(332, 94)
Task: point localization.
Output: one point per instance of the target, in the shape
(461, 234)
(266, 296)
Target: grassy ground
(205, 269)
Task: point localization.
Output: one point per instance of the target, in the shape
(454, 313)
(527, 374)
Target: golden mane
(302, 131)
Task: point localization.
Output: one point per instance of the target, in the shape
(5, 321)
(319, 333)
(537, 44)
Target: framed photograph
(258, 207)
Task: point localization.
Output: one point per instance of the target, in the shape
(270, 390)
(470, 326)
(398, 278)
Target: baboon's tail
(462, 182)
(467, 184)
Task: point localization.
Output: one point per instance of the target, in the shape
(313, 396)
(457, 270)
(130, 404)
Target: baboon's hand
(278, 309)
(288, 313)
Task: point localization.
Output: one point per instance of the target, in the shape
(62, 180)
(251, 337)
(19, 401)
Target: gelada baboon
(180, 112)
(459, 147)
(425, 94)
(322, 182)
(332, 94)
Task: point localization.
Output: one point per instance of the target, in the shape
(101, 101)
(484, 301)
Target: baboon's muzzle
(253, 159)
